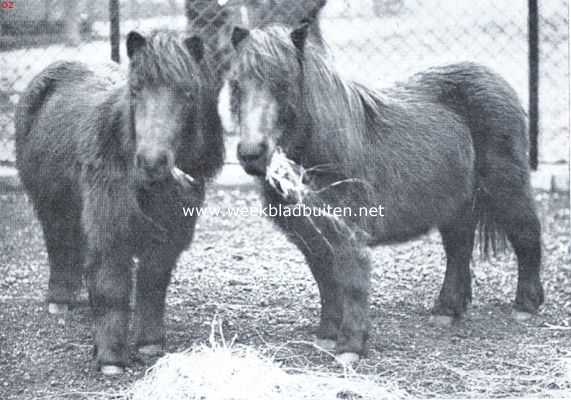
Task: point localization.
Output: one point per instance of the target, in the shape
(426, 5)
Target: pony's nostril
(139, 161)
(154, 166)
(252, 151)
(264, 148)
(162, 160)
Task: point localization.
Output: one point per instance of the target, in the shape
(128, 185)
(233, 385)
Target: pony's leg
(320, 261)
(329, 293)
(63, 237)
(109, 285)
(153, 277)
(319, 257)
(515, 211)
(456, 292)
(351, 271)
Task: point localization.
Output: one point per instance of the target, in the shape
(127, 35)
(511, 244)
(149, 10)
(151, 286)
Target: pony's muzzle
(253, 156)
(153, 165)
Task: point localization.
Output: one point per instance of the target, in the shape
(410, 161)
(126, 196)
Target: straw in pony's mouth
(286, 177)
(184, 179)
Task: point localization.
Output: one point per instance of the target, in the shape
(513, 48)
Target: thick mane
(165, 60)
(339, 112)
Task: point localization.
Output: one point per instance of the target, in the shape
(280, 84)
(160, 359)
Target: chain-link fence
(375, 41)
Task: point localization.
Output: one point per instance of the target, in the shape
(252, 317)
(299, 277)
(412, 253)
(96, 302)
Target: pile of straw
(231, 372)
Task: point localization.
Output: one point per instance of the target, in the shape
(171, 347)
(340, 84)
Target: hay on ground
(232, 372)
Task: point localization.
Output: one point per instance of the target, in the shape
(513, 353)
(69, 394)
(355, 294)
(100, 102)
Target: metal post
(114, 34)
(533, 37)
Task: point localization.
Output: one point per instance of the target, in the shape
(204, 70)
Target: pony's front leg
(153, 278)
(351, 271)
(320, 259)
(109, 284)
(318, 254)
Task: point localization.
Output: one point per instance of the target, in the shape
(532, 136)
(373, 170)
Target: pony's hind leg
(456, 292)
(515, 211)
(63, 237)
(153, 277)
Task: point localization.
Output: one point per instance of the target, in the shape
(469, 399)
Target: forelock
(165, 61)
(268, 55)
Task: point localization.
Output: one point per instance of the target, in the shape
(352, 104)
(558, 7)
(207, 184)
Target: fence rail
(375, 41)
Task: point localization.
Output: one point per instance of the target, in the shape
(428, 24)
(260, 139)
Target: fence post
(533, 37)
(114, 34)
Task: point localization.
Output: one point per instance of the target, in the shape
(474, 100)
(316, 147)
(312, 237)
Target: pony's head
(166, 91)
(262, 97)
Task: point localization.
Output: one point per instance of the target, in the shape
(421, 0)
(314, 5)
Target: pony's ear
(195, 46)
(299, 36)
(135, 41)
(319, 4)
(239, 34)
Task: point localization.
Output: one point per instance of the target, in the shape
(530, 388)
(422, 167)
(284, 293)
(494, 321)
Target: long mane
(342, 115)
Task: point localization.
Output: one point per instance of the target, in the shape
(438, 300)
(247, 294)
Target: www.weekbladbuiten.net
(296, 210)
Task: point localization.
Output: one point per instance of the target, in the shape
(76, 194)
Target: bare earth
(242, 270)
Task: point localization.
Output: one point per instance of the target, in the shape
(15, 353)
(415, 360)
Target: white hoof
(347, 359)
(521, 315)
(57, 308)
(151, 350)
(325, 344)
(441, 320)
(112, 370)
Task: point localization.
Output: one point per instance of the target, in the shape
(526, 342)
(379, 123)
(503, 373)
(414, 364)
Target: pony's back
(48, 122)
(489, 105)
(40, 88)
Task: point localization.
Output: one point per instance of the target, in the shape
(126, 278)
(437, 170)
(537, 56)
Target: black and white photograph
(285, 200)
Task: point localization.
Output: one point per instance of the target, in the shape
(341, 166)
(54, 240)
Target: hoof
(57, 308)
(521, 315)
(347, 359)
(112, 370)
(441, 320)
(326, 344)
(151, 350)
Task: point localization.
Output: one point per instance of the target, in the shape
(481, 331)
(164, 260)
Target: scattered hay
(232, 372)
(241, 373)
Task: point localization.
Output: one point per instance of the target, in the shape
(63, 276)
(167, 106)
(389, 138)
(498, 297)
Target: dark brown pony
(97, 162)
(447, 149)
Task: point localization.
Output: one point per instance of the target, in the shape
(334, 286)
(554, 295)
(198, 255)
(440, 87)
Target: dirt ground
(243, 270)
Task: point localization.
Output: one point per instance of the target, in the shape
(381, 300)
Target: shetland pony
(447, 149)
(97, 162)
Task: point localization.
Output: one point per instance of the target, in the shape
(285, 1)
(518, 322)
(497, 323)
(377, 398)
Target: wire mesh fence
(375, 41)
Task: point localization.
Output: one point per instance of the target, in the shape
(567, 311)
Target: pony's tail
(38, 91)
(490, 237)
(497, 123)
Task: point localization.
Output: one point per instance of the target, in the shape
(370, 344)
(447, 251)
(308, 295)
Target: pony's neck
(336, 118)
